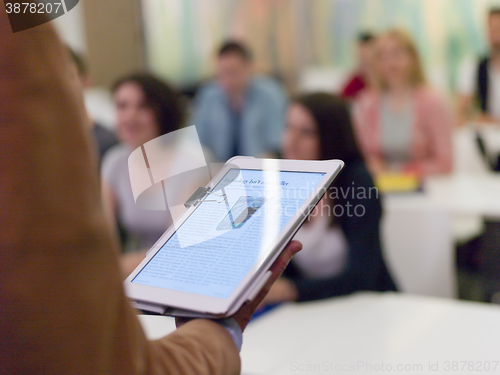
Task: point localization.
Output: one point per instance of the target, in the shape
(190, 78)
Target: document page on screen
(226, 235)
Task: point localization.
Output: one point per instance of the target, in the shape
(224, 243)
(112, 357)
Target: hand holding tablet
(218, 254)
(246, 312)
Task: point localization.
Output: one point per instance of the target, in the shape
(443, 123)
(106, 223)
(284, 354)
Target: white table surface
(467, 194)
(470, 194)
(468, 199)
(348, 335)
(460, 194)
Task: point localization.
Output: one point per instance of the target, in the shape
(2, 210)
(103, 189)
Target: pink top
(431, 141)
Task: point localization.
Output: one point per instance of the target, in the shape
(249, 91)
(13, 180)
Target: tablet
(218, 252)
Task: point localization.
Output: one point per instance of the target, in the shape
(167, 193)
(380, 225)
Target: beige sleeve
(62, 306)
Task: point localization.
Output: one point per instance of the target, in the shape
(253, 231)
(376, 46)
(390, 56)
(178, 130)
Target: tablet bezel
(215, 305)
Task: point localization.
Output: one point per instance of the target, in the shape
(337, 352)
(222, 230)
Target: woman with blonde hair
(401, 123)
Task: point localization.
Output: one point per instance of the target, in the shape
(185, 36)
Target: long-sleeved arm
(62, 306)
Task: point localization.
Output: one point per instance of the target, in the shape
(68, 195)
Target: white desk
(467, 194)
(460, 194)
(419, 229)
(471, 192)
(367, 329)
(465, 197)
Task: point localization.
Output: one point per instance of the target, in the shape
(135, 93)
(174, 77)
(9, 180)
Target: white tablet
(217, 254)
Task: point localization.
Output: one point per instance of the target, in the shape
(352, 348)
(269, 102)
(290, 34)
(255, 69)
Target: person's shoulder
(100, 130)
(208, 90)
(430, 97)
(356, 172)
(266, 85)
(428, 92)
(365, 102)
(359, 188)
(105, 137)
(367, 96)
(119, 151)
(114, 157)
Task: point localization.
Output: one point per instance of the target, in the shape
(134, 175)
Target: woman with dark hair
(341, 244)
(146, 108)
(149, 97)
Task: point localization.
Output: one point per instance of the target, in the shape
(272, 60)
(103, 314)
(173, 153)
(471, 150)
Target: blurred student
(401, 123)
(146, 108)
(104, 139)
(479, 83)
(358, 81)
(239, 113)
(341, 251)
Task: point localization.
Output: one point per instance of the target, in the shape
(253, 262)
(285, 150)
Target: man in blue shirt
(239, 113)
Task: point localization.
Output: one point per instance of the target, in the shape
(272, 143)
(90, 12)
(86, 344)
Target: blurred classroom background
(291, 39)
(441, 239)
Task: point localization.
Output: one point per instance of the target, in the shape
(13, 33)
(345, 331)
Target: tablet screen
(228, 232)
